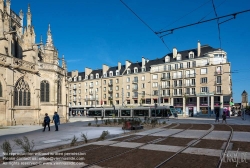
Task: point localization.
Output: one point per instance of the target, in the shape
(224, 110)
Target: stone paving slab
(190, 134)
(203, 151)
(103, 142)
(166, 148)
(241, 136)
(218, 135)
(127, 144)
(150, 131)
(167, 132)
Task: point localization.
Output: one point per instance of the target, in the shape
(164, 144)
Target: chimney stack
(128, 63)
(143, 61)
(119, 66)
(198, 49)
(174, 52)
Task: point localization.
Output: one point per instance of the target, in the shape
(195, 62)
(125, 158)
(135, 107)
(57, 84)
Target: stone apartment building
(32, 82)
(194, 81)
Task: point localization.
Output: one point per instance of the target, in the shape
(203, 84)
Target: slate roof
(184, 54)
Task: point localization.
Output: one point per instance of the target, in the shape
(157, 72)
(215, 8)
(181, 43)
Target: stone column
(184, 106)
(171, 101)
(212, 105)
(222, 105)
(198, 104)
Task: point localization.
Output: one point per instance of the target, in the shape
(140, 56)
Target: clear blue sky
(94, 32)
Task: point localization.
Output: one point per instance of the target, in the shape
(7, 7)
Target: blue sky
(94, 32)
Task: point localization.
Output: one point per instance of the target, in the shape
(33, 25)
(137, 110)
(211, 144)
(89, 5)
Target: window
(155, 84)
(104, 96)
(86, 90)
(143, 85)
(128, 79)
(143, 78)
(59, 92)
(96, 83)
(79, 85)
(176, 66)
(191, 55)
(117, 72)
(218, 79)
(187, 90)
(143, 93)
(193, 91)
(128, 101)
(165, 67)
(79, 78)
(104, 89)
(203, 70)
(155, 76)
(44, 91)
(117, 95)
(128, 94)
(204, 80)
(91, 76)
(194, 63)
(22, 93)
(180, 91)
(155, 92)
(128, 71)
(143, 69)
(204, 89)
(104, 82)
(218, 89)
(96, 76)
(188, 65)
(117, 81)
(181, 65)
(1, 90)
(86, 84)
(175, 91)
(169, 67)
(128, 86)
(135, 70)
(111, 73)
(105, 75)
(86, 76)
(117, 88)
(117, 102)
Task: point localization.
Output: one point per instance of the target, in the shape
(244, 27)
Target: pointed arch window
(1, 90)
(22, 93)
(59, 93)
(44, 92)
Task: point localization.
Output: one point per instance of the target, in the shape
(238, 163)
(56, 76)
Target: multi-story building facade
(32, 82)
(195, 81)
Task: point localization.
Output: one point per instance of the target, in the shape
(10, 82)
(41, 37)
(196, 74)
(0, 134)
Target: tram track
(130, 150)
(226, 148)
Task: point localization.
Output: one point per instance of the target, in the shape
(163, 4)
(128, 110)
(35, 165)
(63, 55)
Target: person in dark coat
(217, 115)
(46, 122)
(56, 120)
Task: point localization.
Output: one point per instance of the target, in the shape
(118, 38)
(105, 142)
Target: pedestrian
(56, 120)
(46, 122)
(217, 115)
(224, 117)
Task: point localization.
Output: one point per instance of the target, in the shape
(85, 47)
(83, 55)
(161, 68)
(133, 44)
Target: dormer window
(191, 55)
(79, 78)
(96, 76)
(117, 72)
(167, 58)
(128, 71)
(143, 69)
(104, 75)
(136, 70)
(111, 73)
(74, 79)
(86, 76)
(70, 79)
(178, 57)
(91, 76)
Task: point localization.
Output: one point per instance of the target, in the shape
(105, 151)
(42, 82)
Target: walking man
(224, 117)
(217, 115)
(56, 120)
(46, 122)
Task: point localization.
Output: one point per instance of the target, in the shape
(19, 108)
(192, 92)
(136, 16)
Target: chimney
(119, 66)
(174, 52)
(128, 63)
(198, 49)
(88, 71)
(143, 61)
(105, 68)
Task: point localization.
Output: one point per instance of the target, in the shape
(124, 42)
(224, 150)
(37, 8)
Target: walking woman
(46, 122)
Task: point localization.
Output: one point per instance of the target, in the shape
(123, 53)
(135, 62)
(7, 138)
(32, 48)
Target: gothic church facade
(32, 82)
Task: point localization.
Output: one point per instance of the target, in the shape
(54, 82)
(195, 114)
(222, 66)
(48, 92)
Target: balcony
(165, 95)
(165, 86)
(166, 78)
(178, 77)
(178, 85)
(135, 89)
(190, 76)
(110, 97)
(90, 92)
(110, 84)
(91, 98)
(219, 92)
(110, 91)
(135, 81)
(74, 88)
(91, 86)
(135, 96)
(217, 83)
(74, 94)
(218, 72)
(177, 94)
(189, 84)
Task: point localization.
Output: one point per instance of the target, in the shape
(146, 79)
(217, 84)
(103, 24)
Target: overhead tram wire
(218, 24)
(144, 23)
(187, 14)
(192, 24)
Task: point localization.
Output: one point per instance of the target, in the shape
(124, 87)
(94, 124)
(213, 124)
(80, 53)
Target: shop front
(191, 110)
(178, 104)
